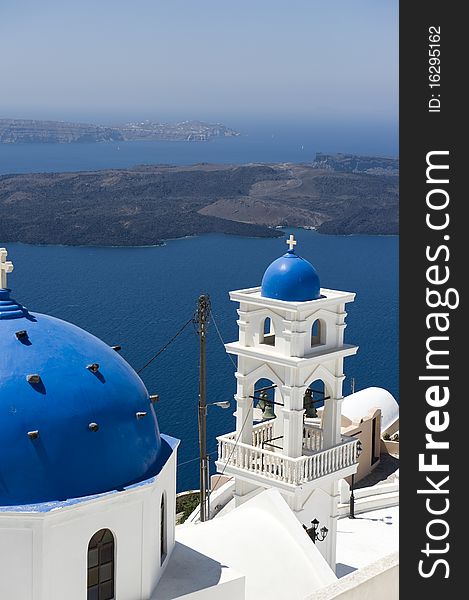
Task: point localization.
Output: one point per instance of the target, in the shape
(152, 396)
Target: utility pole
(201, 319)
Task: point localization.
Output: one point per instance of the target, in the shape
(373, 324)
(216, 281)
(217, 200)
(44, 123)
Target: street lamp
(315, 533)
(222, 404)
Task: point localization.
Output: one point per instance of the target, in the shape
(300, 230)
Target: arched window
(267, 332)
(163, 530)
(101, 566)
(318, 333)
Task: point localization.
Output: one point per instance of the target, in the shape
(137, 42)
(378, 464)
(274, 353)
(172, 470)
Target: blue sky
(210, 59)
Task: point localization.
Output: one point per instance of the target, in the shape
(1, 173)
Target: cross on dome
(291, 242)
(6, 266)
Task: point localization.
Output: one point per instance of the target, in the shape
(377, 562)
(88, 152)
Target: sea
(140, 297)
(259, 141)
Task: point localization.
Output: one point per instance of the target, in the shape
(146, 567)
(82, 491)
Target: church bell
(308, 404)
(266, 406)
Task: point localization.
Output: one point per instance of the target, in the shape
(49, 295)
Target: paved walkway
(367, 538)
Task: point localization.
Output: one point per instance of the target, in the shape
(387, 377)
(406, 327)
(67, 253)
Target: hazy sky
(210, 59)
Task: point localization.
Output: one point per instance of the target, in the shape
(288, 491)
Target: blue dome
(291, 278)
(89, 438)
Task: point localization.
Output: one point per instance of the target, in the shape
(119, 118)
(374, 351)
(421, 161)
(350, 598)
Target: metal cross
(6, 266)
(291, 242)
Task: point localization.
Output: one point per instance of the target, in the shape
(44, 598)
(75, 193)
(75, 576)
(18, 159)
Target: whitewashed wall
(378, 580)
(44, 554)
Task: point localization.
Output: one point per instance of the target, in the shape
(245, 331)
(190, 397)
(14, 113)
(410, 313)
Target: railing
(312, 438)
(276, 466)
(264, 432)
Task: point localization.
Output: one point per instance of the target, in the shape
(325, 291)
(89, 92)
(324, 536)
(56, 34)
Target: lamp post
(352, 495)
(352, 499)
(315, 533)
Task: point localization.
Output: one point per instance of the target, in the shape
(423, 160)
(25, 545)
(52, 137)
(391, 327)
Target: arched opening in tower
(314, 397)
(267, 332)
(318, 333)
(264, 400)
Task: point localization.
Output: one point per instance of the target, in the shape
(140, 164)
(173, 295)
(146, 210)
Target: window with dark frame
(101, 566)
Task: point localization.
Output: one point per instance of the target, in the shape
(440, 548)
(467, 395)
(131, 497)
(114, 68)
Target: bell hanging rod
(264, 389)
(267, 400)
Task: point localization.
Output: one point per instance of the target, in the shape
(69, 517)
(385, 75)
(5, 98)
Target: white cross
(291, 242)
(6, 266)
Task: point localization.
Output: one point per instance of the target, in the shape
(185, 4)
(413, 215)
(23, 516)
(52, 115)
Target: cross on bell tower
(6, 266)
(291, 242)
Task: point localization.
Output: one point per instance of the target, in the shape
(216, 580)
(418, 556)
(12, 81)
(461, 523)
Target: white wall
(227, 590)
(378, 580)
(16, 547)
(44, 555)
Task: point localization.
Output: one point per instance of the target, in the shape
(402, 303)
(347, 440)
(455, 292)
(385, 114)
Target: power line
(247, 415)
(161, 350)
(221, 339)
(154, 357)
(231, 453)
(232, 450)
(186, 462)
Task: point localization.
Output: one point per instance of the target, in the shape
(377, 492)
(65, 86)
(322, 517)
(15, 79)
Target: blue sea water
(139, 297)
(293, 141)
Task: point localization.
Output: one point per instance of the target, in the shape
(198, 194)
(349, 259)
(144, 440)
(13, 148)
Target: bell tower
(291, 332)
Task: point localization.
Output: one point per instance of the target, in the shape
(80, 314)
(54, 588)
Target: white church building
(88, 482)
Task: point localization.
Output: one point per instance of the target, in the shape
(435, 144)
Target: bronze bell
(308, 404)
(266, 406)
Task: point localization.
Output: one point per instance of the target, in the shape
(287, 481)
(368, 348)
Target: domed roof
(75, 418)
(359, 404)
(291, 278)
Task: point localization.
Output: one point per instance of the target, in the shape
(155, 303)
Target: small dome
(358, 405)
(291, 278)
(75, 418)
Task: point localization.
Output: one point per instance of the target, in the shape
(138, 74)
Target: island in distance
(22, 131)
(339, 194)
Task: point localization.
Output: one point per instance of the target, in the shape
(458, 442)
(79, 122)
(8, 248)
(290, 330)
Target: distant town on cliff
(22, 131)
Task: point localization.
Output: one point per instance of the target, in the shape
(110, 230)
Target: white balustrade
(312, 438)
(262, 432)
(274, 465)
